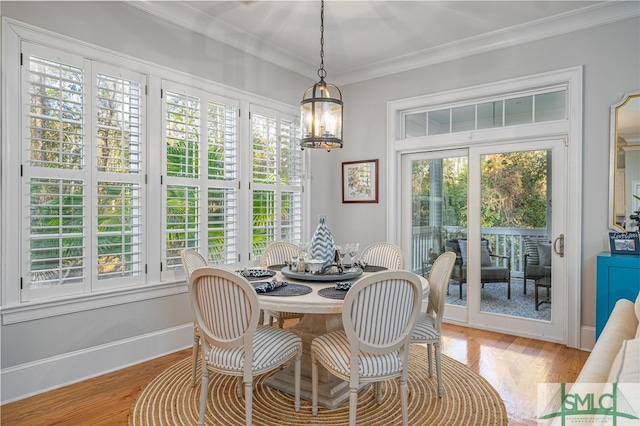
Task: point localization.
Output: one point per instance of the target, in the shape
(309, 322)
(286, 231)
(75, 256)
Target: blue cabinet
(618, 278)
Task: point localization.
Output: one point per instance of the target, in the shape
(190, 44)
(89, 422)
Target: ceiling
(368, 39)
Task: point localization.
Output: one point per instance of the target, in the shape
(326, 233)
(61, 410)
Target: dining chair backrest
(226, 308)
(439, 277)
(384, 254)
(379, 312)
(192, 260)
(278, 253)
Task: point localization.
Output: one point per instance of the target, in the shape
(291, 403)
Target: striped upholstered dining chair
(427, 330)
(226, 309)
(192, 260)
(383, 254)
(279, 253)
(378, 316)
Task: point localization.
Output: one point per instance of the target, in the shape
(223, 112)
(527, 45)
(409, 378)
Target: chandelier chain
(321, 72)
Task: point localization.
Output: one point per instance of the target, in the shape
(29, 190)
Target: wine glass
(352, 249)
(342, 252)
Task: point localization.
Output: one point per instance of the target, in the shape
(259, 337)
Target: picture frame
(360, 181)
(624, 242)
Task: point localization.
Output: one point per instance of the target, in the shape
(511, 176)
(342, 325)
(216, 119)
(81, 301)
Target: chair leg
(509, 289)
(297, 381)
(314, 385)
(240, 384)
(203, 394)
(196, 353)
(270, 320)
(430, 358)
(248, 402)
(378, 392)
(404, 394)
(353, 405)
(281, 321)
(439, 368)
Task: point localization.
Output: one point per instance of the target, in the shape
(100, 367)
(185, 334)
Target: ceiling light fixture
(321, 108)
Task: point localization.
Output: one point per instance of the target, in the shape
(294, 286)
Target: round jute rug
(169, 400)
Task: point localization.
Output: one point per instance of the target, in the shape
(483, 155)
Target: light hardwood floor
(513, 365)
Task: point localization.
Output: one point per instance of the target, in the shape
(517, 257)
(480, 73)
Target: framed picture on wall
(360, 181)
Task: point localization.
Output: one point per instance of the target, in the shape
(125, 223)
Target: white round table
(321, 315)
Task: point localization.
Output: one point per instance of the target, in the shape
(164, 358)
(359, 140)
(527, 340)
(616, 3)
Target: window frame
(156, 284)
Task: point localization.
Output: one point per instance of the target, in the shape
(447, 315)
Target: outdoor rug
(169, 400)
(494, 299)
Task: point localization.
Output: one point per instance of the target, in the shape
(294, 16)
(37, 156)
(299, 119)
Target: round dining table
(321, 315)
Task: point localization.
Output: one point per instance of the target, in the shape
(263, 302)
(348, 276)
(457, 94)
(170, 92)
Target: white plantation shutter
(201, 196)
(120, 192)
(82, 174)
(276, 179)
(55, 176)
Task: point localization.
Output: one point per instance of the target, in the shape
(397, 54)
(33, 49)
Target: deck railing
(503, 241)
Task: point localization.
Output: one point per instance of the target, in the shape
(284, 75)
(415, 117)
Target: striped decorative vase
(322, 247)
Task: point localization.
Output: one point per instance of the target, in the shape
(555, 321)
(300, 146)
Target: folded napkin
(256, 273)
(360, 263)
(269, 286)
(343, 285)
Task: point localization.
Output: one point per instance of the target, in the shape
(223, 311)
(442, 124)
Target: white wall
(610, 55)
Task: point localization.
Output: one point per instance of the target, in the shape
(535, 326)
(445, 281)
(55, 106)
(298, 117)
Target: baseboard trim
(40, 376)
(587, 338)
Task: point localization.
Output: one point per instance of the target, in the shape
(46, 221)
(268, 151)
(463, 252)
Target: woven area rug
(169, 400)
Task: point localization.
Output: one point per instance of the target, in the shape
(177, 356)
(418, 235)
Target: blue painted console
(618, 278)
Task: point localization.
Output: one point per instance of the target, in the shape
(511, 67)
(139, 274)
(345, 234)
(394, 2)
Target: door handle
(558, 245)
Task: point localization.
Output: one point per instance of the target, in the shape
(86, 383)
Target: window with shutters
(82, 173)
(276, 179)
(201, 195)
(112, 180)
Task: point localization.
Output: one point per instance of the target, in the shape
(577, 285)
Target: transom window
(549, 105)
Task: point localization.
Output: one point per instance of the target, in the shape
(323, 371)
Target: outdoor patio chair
(378, 315)
(537, 259)
(490, 269)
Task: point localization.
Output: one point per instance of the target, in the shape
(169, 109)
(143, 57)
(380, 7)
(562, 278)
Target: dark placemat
(276, 267)
(374, 268)
(332, 293)
(286, 290)
(257, 274)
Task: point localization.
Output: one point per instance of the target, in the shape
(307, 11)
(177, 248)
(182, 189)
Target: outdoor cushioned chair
(192, 260)
(226, 309)
(537, 259)
(378, 315)
(279, 253)
(490, 271)
(427, 329)
(383, 254)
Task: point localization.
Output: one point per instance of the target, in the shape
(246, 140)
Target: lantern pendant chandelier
(321, 108)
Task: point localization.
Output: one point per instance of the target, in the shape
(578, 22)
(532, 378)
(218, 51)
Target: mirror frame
(614, 157)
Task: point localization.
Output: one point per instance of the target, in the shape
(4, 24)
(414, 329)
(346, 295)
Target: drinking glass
(352, 249)
(342, 252)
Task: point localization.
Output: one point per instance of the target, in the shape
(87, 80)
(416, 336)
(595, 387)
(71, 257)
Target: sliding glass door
(499, 208)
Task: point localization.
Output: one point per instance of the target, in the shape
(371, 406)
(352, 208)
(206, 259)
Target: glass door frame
(576, 336)
(555, 329)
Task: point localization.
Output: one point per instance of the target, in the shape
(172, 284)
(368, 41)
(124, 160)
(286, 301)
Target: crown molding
(588, 17)
(596, 15)
(180, 14)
